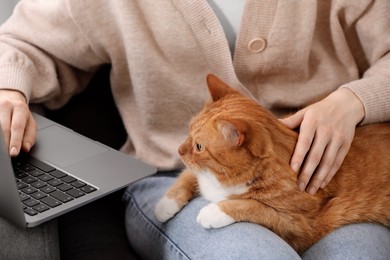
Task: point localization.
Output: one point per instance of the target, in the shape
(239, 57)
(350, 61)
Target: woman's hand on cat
(327, 129)
(17, 122)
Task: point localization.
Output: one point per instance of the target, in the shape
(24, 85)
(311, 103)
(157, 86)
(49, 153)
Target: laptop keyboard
(42, 186)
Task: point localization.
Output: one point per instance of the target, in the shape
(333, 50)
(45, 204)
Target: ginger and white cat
(237, 156)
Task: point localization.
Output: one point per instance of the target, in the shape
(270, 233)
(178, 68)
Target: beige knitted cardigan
(287, 54)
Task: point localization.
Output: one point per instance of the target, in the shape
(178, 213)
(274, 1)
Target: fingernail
(27, 146)
(323, 185)
(302, 186)
(312, 191)
(13, 151)
(295, 167)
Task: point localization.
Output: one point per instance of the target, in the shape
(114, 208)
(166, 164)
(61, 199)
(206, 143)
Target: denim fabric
(183, 238)
(355, 241)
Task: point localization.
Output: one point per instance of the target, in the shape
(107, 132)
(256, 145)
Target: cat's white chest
(212, 190)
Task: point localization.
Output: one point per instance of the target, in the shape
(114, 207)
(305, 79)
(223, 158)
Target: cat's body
(238, 155)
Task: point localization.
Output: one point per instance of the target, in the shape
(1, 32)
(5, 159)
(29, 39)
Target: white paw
(165, 209)
(212, 216)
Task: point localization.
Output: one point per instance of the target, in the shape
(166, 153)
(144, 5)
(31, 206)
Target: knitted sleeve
(44, 54)
(369, 38)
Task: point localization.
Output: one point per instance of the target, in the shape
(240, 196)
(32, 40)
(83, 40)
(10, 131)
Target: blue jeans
(183, 238)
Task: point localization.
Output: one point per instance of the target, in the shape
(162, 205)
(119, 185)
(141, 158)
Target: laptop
(63, 171)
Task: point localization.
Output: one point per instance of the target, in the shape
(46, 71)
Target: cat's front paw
(212, 216)
(165, 209)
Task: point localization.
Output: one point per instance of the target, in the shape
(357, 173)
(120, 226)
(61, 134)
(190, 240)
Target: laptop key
(54, 182)
(38, 195)
(38, 184)
(41, 208)
(31, 212)
(78, 184)
(88, 189)
(64, 187)
(51, 202)
(36, 173)
(61, 196)
(26, 167)
(29, 179)
(48, 189)
(75, 193)
(16, 163)
(41, 165)
(21, 185)
(45, 177)
(58, 174)
(29, 190)
(30, 202)
(68, 179)
(21, 175)
(23, 196)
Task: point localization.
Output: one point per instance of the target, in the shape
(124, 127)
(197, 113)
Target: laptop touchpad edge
(63, 147)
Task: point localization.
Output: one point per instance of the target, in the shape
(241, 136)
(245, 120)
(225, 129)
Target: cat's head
(231, 135)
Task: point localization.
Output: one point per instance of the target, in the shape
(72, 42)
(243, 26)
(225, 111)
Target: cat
(238, 155)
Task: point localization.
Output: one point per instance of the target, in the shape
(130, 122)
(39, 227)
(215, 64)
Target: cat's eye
(199, 147)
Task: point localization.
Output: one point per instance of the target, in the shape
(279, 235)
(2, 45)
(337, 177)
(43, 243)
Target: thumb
(294, 120)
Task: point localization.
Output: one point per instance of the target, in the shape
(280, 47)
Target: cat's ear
(233, 131)
(217, 87)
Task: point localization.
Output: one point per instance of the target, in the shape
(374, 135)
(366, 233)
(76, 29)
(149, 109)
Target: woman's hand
(327, 129)
(17, 122)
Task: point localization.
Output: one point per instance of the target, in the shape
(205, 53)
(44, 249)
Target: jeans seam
(150, 223)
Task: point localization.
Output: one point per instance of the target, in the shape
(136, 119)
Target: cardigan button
(257, 45)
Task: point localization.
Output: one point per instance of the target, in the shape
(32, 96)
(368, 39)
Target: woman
(286, 55)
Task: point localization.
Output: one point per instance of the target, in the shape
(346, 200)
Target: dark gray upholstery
(40, 243)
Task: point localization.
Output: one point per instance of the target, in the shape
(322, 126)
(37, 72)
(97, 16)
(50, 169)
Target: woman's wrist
(350, 103)
(13, 94)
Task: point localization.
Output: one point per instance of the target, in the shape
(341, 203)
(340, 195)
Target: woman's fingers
(322, 170)
(342, 153)
(5, 121)
(326, 132)
(304, 140)
(304, 143)
(29, 134)
(17, 122)
(18, 126)
(294, 120)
